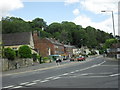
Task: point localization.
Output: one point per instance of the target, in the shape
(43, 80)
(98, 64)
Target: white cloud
(67, 2)
(105, 25)
(76, 12)
(97, 5)
(9, 5)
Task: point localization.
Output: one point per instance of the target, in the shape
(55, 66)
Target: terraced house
(47, 46)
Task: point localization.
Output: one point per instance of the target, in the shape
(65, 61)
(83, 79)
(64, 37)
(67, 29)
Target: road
(97, 72)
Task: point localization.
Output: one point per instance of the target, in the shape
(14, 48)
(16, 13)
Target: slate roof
(16, 38)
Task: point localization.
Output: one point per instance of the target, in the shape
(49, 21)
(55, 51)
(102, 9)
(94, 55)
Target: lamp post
(112, 20)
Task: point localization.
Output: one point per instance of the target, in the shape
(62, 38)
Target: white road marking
(115, 74)
(77, 70)
(102, 63)
(72, 72)
(24, 83)
(50, 77)
(84, 74)
(45, 81)
(17, 87)
(30, 84)
(9, 86)
(56, 78)
(36, 80)
(97, 76)
(65, 74)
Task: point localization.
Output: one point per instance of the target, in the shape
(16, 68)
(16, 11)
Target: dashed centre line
(9, 86)
(56, 78)
(45, 81)
(36, 80)
(24, 83)
(115, 74)
(30, 84)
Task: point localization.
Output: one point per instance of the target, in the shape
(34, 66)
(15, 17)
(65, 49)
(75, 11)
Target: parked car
(81, 58)
(72, 59)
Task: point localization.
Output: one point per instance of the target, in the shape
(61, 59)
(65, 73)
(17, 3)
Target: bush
(25, 52)
(46, 59)
(9, 53)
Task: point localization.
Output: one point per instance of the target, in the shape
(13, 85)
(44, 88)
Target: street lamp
(112, 20)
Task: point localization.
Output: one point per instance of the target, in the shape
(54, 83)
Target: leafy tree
(13, 25)
(9, 53)
(109, 43)
(39, 23)
(25, 52)
(54, 27)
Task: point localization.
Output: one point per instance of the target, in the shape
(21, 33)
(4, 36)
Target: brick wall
(42, 45)
(46, 47)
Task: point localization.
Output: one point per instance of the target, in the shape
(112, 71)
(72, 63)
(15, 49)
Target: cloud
(76, 12)
(67, 2)
(9, 5)
(96, 6)
(105, 25)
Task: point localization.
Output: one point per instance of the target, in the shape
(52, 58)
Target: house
(47, 46)
(114, 51)
(15, 40)
(69, 50)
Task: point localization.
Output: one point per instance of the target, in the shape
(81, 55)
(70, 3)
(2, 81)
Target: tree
(109, 42)
(25, 52)
(9, 53)
(54, 27)
(38, 23)
(13, 25)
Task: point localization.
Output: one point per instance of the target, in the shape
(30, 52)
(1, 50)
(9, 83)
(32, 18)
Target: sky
(81, 12)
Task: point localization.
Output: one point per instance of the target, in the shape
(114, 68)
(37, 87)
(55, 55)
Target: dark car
(72, 59)
(81, 58)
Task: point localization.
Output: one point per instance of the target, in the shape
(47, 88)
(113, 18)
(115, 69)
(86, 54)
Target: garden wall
(15, 64)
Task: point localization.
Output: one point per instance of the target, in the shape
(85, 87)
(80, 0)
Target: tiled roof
(16, 38)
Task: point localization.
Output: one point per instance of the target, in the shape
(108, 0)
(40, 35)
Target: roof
(16, 38)
(54, 41)
(69, 46)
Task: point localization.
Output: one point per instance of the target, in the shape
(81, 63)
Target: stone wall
(15, 64)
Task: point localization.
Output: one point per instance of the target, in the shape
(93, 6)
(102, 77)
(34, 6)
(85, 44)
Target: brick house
(47, 46)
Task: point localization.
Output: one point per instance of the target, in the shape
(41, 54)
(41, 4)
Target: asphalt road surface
(97, 72)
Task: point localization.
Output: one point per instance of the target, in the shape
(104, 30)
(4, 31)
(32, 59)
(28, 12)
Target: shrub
(9, 53)
(25, 52)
